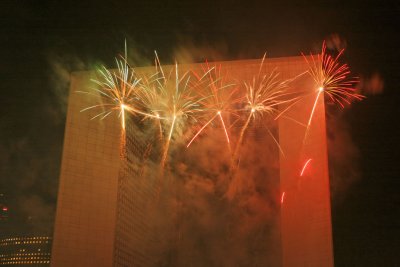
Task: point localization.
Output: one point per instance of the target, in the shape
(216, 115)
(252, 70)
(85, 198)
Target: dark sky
(41, 41)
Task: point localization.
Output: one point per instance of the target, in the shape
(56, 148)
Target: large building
(112, 210)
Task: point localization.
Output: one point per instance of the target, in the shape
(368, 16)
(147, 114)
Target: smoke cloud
(371, 85)
(344, 156)
(216, 218)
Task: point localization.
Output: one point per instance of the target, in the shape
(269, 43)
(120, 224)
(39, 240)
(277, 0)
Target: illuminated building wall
(25, 251)
(305, 212)
(84, 230)
(102, 214)
(100, 219)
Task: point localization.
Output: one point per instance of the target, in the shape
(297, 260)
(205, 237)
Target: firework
(118, 91)
(332, 79)
(264, 94)
(215, 99)
(176, 100)
(170, 99)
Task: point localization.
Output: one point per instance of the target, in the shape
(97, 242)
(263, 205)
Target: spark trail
(305, 166)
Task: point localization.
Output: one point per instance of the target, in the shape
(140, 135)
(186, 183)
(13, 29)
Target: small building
(25, 251)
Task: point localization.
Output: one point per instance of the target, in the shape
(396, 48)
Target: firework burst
(170, 99)
(216, 100)
(332, 79)
(264, 94)
(117, 90)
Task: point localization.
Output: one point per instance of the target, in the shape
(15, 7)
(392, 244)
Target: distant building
(25, 251)
(102, 217)
(3, 209)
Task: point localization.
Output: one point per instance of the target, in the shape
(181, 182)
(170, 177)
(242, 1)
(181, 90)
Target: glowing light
(282, 197)
(5, 209)
(313, 108)
(166, 148)
(305, 166)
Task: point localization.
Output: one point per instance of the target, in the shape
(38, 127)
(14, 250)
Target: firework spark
(216, 101)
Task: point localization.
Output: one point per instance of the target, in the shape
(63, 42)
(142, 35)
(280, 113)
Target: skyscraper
(106, 212)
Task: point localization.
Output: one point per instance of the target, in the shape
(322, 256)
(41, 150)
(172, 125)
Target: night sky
(42, 41)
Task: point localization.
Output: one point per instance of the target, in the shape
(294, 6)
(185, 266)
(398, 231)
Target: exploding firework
(217, 97)
(170, 99)
(332, 79)
(117, 90)
(177, 100)
(265, 93)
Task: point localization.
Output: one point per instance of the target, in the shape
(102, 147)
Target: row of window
(24, 258)
(23, 262)
(24, 242)
(25, 238)
(24, 254)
